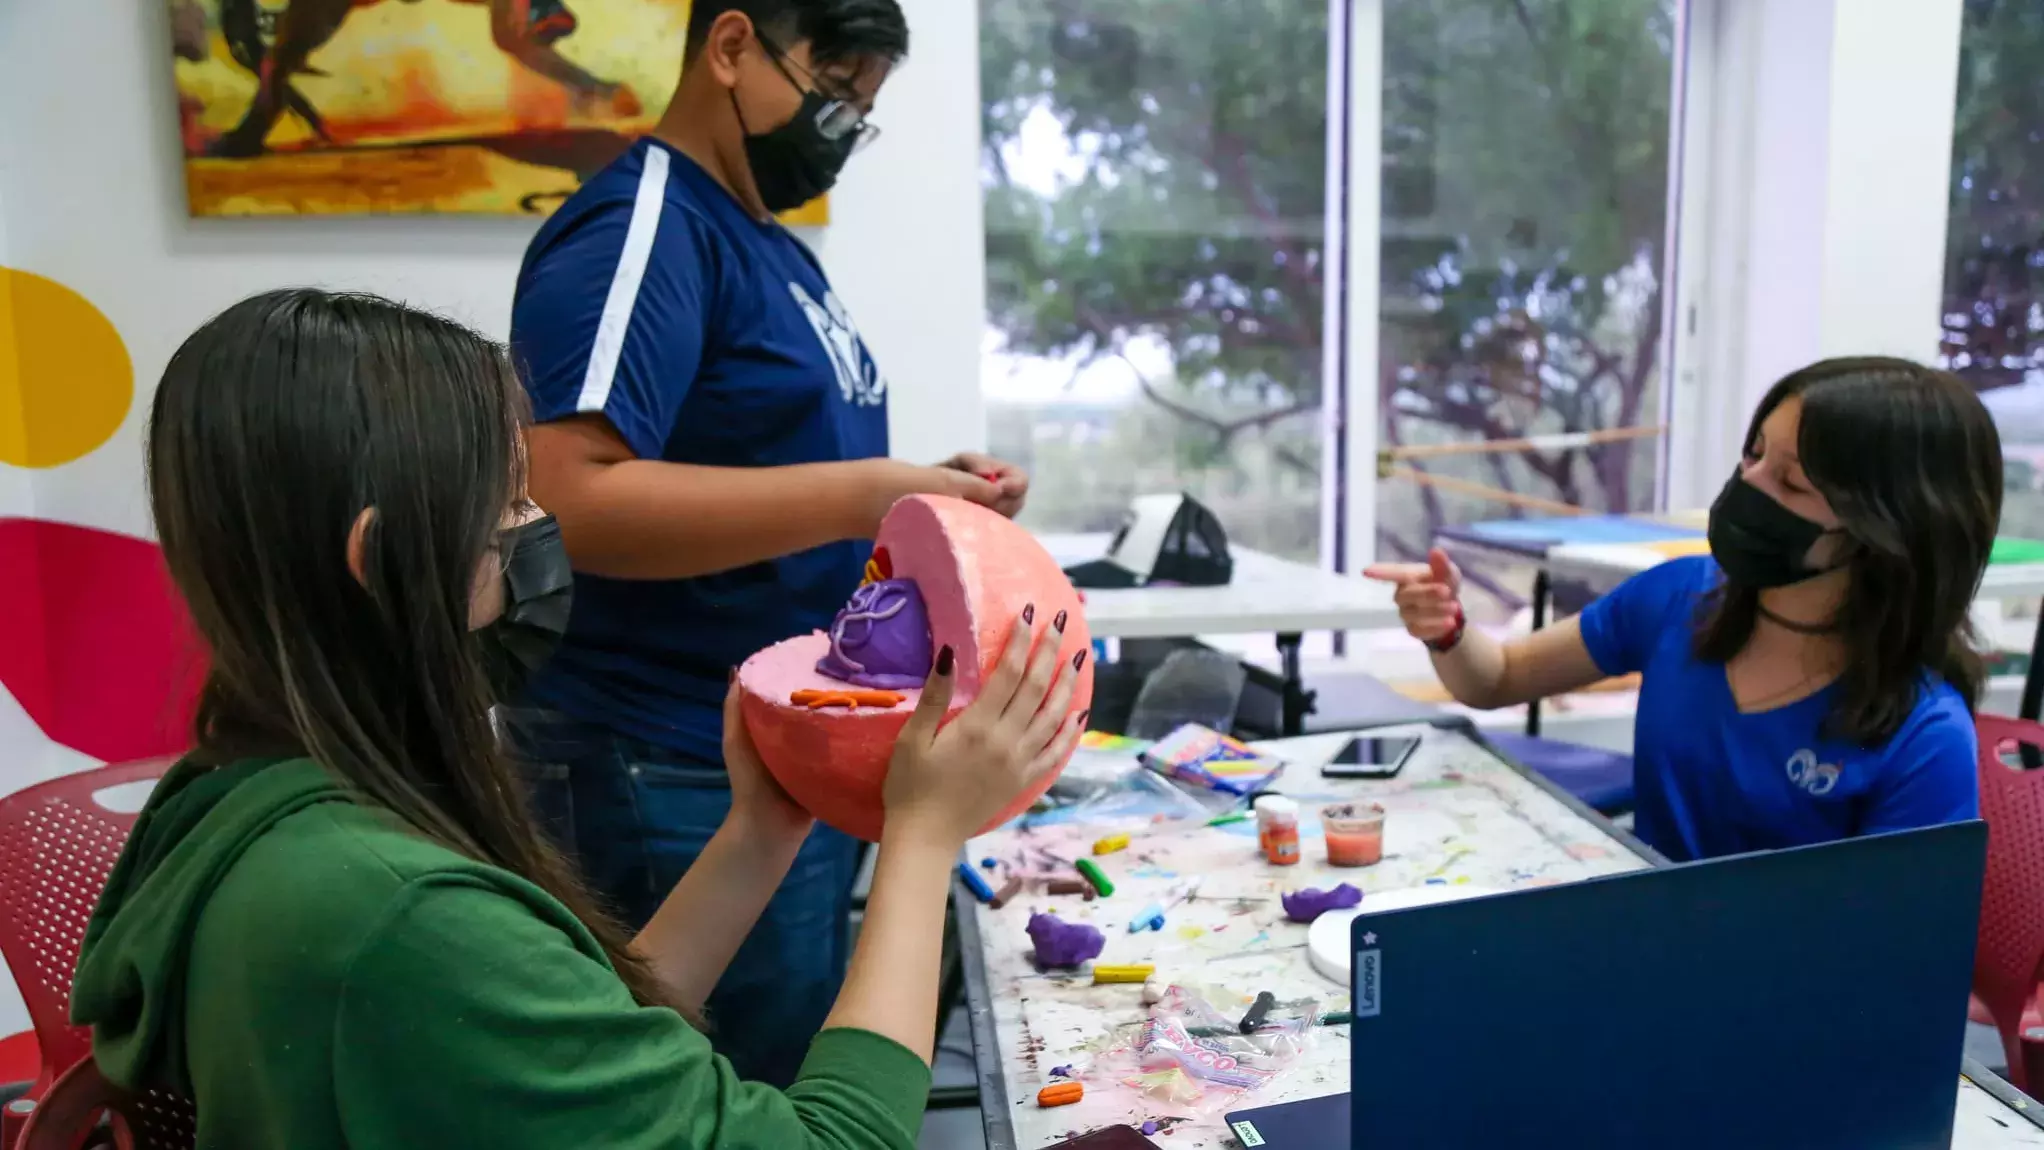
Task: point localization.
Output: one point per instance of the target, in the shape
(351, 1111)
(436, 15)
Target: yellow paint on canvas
(65, 378)
(423, 111)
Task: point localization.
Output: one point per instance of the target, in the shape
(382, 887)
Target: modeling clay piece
(1060, 1094)
(1309, 904)
(817, 700)
(951, 574)
(1062, 945)
(879, 566)
(881, 639)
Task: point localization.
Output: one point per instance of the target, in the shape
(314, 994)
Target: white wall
(908, 252)
(1829, 148)
(92, 192)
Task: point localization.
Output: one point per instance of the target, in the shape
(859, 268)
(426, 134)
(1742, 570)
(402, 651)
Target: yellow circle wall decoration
(65, 377)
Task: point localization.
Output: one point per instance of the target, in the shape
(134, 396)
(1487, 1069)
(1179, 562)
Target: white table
(1267, 594)
(1457, 814)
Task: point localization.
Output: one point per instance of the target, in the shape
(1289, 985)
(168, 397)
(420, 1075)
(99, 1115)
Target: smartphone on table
(1371, 757)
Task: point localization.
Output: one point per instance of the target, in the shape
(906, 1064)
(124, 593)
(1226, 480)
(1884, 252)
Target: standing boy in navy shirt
(712, 436)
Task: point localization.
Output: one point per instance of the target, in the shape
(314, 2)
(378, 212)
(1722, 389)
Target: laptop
(1803, 999)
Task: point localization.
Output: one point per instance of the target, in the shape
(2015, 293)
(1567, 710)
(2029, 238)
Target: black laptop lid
(1795, 1000)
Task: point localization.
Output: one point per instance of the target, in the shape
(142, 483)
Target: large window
(1156, 175)
(1525, 193)
(1994, 270)
(1167, 197)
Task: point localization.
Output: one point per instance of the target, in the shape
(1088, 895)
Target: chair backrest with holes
(57, 844)
(2011, 943)
(71, 1114)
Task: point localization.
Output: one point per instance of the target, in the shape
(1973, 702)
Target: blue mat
(1601, 779)
(1553, 532)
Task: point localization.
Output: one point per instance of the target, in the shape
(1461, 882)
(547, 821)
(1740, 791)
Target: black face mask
(539, 588)
(795, 163)
(1758, 542)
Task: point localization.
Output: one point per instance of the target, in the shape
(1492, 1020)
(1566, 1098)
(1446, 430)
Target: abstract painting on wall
(348, 107)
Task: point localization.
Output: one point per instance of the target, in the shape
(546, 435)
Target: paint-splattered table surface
(1993, 1115)
(1456, 815)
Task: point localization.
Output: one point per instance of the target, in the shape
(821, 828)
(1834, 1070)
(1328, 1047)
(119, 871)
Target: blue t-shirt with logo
(1712, 781)
(706, 337)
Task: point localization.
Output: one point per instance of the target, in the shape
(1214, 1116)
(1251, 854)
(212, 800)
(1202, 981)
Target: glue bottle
(1277, 829)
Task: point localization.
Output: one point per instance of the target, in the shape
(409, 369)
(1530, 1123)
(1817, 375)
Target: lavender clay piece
(1061, 944)
(1309, 904)
(881, 640)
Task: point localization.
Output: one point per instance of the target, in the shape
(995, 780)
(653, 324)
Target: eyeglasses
(839, 119)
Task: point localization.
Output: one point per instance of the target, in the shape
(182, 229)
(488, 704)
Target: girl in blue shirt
(1814, 677)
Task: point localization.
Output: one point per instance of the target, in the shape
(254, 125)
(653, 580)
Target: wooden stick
(1483, 491)
(1562, 441)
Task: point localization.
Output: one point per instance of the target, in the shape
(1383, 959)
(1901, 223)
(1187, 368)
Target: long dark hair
(1911, 464)
(275, 425)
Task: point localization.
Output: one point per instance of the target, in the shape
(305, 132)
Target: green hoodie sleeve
(464, 1019)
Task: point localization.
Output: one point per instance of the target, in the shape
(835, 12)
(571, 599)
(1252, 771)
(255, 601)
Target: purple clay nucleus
(1061, 944)
(881, 639)
(1309, 904)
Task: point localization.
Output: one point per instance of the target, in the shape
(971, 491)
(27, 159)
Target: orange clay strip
(817, 700)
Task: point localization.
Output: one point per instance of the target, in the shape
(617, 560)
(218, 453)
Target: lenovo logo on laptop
(1369, 994)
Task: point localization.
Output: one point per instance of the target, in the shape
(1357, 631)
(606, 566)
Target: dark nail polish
(944, 661)
(1079, 660)
(1029, 614)
(1058, 624)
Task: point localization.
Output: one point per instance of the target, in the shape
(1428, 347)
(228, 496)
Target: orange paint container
(1354, 833)
(1277, 829)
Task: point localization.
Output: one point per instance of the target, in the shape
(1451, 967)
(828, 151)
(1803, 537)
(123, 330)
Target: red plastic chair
(57, 844)
(2009, 956)
(83, 1111)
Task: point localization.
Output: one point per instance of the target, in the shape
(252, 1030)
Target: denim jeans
(634, 816)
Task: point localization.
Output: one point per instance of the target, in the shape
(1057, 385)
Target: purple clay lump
(1309, 904)
(1063, 945)
(881, 639)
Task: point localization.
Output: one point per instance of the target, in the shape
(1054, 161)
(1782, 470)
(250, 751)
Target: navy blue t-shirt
(705, 337)
(1712, 781)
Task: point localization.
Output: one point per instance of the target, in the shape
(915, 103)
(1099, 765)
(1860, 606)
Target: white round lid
(1327, 940)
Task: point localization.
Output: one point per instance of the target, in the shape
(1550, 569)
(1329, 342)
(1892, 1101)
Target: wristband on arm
(1453, 638)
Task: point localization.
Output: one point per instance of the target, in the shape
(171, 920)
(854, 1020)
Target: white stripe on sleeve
(624, 283)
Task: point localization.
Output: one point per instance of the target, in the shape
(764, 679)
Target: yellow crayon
(1110, 844)
(1140, 973)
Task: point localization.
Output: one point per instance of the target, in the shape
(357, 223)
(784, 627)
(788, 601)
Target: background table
(1267, 595)
(1457, 814)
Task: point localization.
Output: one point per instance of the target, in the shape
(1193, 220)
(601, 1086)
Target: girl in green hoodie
(336, 924)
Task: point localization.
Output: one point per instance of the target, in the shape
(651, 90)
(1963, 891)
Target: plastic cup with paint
(1354, 832)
